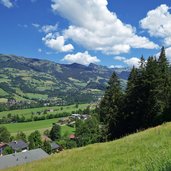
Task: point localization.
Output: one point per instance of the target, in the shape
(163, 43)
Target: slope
(34, 80)
(147, 150)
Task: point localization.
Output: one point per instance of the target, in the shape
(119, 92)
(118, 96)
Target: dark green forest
(145, 103)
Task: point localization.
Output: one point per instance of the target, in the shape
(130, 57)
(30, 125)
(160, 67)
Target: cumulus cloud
(158, 23)
(6, 3)
(134, 61)
(116, 66)
(119, 58)
(168, 54)
(57, 43)
(81, 58)
(96, 28)
(49, 28)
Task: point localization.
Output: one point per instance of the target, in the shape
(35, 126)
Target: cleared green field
(149, 150)
(57, 109)
(3, 93)
(3, 100)
(41, 126)
(36, 96)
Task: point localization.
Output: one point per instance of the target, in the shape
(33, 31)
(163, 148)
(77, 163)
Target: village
(18, 152)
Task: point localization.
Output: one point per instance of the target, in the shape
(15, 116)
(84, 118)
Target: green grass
(36, 96)
(3, 93)
(41, 126)
(149, 150)
(3, 100)
(57, 109)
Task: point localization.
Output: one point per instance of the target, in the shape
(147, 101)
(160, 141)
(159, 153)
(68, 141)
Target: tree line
(145, 103)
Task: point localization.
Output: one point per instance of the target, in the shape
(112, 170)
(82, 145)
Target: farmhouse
(72, 136)
(50, 110)
(79, 116)
(21, 158)
(18, 146)
(55, 147)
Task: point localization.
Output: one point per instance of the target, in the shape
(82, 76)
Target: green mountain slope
(149, 150)
(33, 79)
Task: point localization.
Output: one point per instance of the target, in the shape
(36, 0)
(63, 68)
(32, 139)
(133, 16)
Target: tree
(148, 93)
(164, 83)
(35, 140)
(87, 132)
(47, 147)
(55, 133)
(21, 136)
(7, 150)
(110, 106)
(4, 134)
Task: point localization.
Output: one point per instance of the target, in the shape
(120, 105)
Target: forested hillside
(34, 80)
(145, 103)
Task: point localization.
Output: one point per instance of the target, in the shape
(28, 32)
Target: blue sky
(114, 33)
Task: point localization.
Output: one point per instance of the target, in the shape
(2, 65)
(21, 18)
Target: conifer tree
(110, 108)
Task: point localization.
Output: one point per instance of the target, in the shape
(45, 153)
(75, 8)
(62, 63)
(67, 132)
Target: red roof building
(72, 136)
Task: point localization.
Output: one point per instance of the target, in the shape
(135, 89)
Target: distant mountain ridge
(35, 79)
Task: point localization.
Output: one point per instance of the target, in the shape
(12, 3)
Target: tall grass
(148, 150)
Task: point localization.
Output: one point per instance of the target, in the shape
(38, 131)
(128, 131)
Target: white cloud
(81, 58)
(168, 54)
(119, 58)
(23, 25)
(134, 61)
(96, 28)
(56, 42)
(6, 3)
(49, 28)
(116, 66)
(158, 23)
(35, 25)
(39, 50)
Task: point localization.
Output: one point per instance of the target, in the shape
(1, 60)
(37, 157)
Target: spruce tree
(110, 108)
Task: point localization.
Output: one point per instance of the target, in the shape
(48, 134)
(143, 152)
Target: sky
(114, 33)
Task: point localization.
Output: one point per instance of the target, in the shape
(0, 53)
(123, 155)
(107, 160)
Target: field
(149, 150)
(57, 109)
(41, 126)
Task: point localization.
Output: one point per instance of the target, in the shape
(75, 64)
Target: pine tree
(110, 108)
(164, 86)
(164, 83)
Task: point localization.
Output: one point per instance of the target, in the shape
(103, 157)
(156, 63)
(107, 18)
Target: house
(18, 146)
(72, 136)
(55, 147)
(16, 159)
(2, 147)
(84, 117)
(50, 110)
(76, 116)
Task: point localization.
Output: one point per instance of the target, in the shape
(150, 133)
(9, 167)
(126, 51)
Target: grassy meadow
(57, 109)
(149, 150)
(41, 126)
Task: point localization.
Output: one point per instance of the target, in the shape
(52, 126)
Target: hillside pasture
(149, 150)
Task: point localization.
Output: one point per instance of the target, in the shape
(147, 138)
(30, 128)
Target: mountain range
(35, 79)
